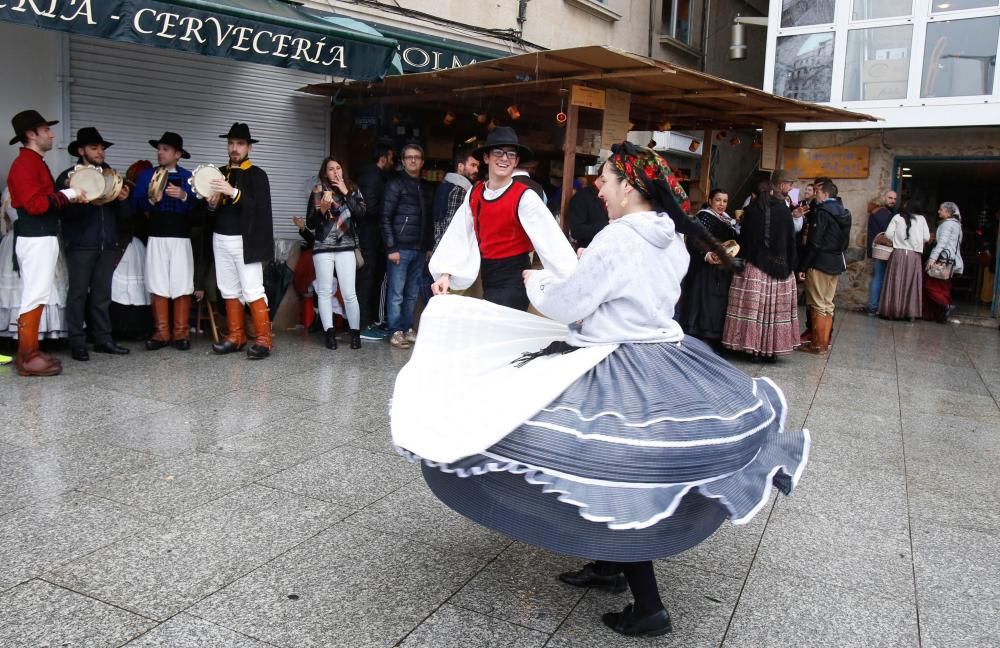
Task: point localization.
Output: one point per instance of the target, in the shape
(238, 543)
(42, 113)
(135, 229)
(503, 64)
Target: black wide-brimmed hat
(239, 131)
(174, 140)
(500, 137)
(84, 137)
(25, 121)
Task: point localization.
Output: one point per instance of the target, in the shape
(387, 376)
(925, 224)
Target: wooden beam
(569, 165)
(614, 74)
(705, 181)
(708, 94)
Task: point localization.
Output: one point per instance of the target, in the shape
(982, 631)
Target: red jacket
(33, 194)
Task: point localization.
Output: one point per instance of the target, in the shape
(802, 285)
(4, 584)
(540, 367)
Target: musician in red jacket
(497, 228)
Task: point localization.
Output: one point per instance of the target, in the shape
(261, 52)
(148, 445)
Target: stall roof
(660, 91)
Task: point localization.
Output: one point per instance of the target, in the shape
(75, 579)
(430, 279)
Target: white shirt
(919, 233)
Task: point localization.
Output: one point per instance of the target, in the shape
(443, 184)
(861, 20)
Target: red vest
(496, 223)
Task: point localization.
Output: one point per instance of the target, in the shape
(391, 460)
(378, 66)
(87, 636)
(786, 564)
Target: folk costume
(705, 288)
(36, 245)
(243, 242)
(623, 440)
(494, 233)
(169, 255)
(901, 296)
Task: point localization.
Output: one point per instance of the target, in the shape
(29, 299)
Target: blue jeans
(404, 284)
(878, 274)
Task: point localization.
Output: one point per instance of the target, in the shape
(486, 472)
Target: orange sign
(586, 97)
(833, 162)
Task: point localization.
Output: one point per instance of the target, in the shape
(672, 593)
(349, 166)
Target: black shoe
(257, 352)
(111, 348)
(588, 577)
(226, 346)
(628, 623)
(182, 345)
(80, 353)
(331, 338)
(355, 339)
(155, 345)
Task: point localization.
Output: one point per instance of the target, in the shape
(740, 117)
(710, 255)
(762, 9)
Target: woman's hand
(440, 287)
(339, 183)
(325, 205)
(299, 222)
(526, 275)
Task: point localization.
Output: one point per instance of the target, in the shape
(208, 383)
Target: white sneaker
(411, 336)
(398, 340)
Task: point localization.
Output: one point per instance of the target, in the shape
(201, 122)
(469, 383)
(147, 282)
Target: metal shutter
(133, 94)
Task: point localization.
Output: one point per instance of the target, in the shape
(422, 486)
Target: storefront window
(942, 6)
(960, 57)
(804, 67)
(799, 13)
(878, 63)
(873, 9)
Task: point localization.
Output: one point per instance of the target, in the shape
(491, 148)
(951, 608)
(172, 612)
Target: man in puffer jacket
(823, 261)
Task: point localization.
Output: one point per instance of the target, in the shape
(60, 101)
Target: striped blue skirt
(643, 457)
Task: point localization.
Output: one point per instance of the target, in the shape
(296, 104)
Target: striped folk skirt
(903, 288)
(642, 457)
(762, 316)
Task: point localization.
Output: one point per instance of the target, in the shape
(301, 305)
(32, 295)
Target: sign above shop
(427, 53)
(585, 97)
(258, 31)
(833, 162)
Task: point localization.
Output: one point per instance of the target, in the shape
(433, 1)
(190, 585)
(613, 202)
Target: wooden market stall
(614, 91)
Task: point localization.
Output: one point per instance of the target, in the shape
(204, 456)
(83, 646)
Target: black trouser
(90, 273)
(503, 282)
(370, 278)
(641, 580)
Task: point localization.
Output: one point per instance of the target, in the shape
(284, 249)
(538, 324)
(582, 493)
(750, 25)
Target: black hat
(500, 137)
(25, 121)
(239, 131)
(84, 137)
(174, 140)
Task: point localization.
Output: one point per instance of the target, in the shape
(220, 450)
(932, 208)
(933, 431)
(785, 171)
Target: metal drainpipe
(705, 12)
(522, 15)
(652, 23)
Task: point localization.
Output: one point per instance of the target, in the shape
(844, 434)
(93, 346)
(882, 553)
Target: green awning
(270, 32)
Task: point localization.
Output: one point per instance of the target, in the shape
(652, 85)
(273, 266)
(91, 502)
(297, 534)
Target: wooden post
(705, 181)
(569, 164)
(781, 146)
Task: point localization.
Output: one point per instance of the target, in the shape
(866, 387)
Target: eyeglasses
(413, 158)
(501, 153)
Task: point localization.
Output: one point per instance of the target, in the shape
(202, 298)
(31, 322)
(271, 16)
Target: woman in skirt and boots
(603, 432)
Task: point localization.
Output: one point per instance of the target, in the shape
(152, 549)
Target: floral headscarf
(642, 166)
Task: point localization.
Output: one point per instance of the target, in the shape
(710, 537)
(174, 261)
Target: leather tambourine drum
(89, 180)
(732, 247)
(113, 183)
(157, 184)
(201, 180)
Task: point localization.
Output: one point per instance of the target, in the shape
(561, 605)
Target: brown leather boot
(161, 323)
(236, 338)
(29, 361)
(820, 344)
(182, 332)
(261, 347)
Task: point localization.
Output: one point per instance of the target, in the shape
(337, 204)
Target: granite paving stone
(452, 627)
(186, 631)
(281, 443)
(957, 490)
(731, 549)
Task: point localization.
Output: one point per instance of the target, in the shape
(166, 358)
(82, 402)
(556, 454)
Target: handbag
(360, 258)
(943, 268)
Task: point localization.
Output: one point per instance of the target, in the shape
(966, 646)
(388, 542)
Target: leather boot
(236, 338)
(820, 343)
(161, 323)
(261, 347)
(331, 338)
(182, 332)
(355, 339)
(29, 361)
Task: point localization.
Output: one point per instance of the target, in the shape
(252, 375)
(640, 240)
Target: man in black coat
(588, 214)
(243, 241)
(370, 282)
(408, 234)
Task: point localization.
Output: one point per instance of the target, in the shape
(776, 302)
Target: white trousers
(169, 266)
(36, 257)
(345, 266)
(236, 279)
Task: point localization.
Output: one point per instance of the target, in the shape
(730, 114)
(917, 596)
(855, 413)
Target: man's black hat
(25, 121)
(174, 140)
(500, 137)
(239, 131)
(84, 137)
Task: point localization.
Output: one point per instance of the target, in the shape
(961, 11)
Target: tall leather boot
(161, 323)
(820, 344)
(29, 361)
(261, 318)
(236, 338)
(182, 332)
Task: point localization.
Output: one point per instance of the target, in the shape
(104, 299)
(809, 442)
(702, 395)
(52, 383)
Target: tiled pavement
(177, 499)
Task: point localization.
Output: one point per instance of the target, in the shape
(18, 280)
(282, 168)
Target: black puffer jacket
(828, 238)
(91, 227)
(406, 214)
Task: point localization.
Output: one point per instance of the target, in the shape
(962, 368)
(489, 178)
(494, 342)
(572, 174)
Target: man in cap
(169, 256)
(243, 241)
(93, 248)
(36, 247)
(497, 227)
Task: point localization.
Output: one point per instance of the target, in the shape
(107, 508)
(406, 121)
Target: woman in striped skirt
(622, 441)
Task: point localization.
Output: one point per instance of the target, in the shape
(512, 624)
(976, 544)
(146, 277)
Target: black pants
(641, 580)
(503, 283)
(90, 273)
(370, 279)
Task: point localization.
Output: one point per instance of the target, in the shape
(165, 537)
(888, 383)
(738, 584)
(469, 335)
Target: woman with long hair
(337, 206)
(947, 251)
(762, 317)
(701, 310)
(622, 441)
(903, 287)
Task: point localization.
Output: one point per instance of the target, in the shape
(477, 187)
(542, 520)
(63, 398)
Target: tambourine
(202, 178)
(732, 247)
(89, 180)
(157, 184)
(113, 183)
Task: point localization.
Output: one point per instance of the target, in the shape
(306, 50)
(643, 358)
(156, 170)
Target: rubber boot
(182, 316)
(236, 338)
(261, 347)
(29, 361)
(161, 323)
